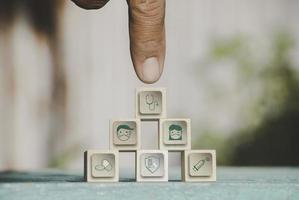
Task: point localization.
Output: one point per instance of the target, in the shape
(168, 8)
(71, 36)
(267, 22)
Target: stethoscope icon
(151, 102)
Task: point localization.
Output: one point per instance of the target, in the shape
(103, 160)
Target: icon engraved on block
(152, 165)
(124, 133)
(174, 132)
(200, 164)
(150, 102)
(102, 165)
(105, 165)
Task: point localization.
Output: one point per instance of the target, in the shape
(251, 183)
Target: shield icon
(152, 163)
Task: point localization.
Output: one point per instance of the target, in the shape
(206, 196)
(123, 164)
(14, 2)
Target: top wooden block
(150, 103)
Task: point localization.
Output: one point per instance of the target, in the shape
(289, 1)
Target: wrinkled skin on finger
(147, 38)
(147, 35)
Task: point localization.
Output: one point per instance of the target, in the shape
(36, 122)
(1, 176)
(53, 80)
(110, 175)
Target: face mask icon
(175, 132)
(105, 165)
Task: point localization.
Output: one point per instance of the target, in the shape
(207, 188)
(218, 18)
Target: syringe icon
(200, 163)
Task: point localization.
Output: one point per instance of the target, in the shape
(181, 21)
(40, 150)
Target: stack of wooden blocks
(150, 165)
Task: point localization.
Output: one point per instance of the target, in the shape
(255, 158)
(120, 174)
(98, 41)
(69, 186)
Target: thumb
(147, 38)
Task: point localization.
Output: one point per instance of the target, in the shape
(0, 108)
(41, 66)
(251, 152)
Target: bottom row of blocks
(151, 165)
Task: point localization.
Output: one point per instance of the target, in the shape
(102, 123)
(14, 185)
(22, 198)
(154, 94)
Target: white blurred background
(93, 50)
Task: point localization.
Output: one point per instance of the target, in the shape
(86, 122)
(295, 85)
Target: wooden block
(150, 103)
(101, 166)
(199, 165)
(175, 134)
(151, 166)
(125, 134)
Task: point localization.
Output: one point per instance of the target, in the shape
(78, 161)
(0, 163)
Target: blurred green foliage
(268, 77)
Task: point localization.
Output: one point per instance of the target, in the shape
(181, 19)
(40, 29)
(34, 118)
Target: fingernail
(151, 70)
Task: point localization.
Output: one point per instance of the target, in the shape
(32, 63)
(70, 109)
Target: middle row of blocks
(174, 134)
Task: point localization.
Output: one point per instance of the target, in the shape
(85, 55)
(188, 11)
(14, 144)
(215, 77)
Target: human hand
(147, 35)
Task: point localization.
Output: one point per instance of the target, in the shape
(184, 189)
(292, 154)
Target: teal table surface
(232, 183)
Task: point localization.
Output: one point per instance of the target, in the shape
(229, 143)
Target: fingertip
(149, 71)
